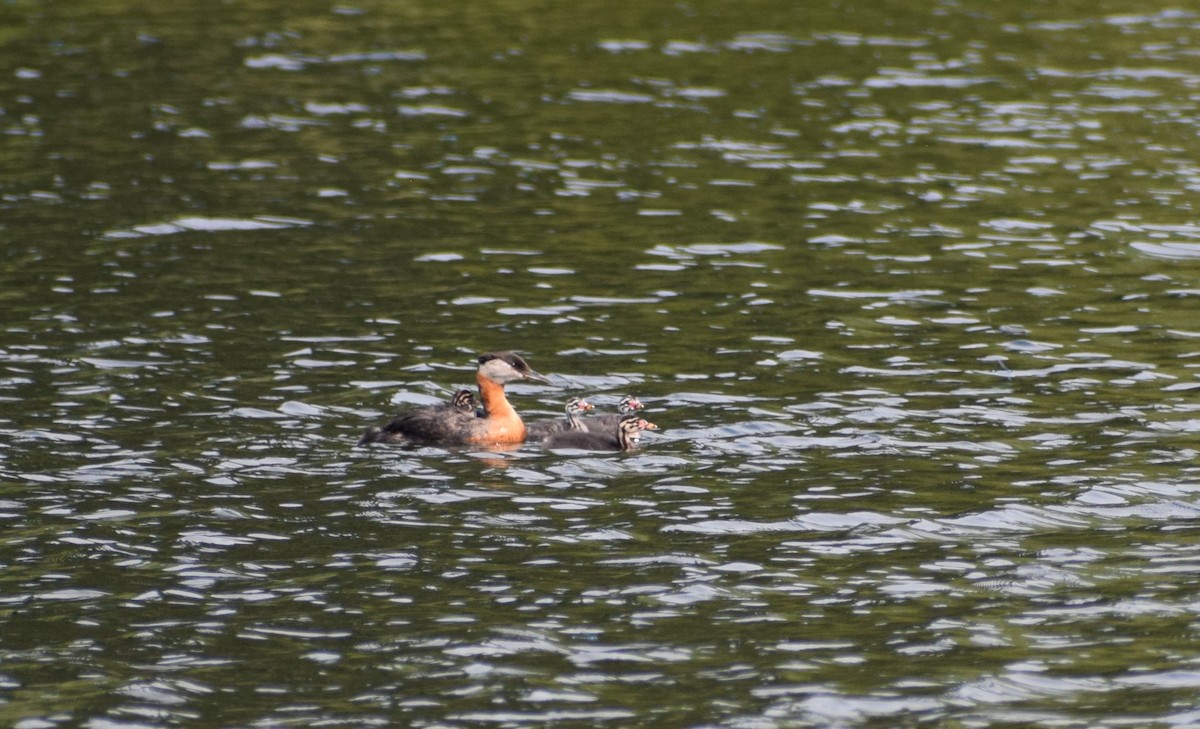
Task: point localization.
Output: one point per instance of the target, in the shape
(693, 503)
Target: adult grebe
(605, 423)
(623, 438)
(445, 424)
(540, 430)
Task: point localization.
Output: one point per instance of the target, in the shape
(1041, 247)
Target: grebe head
(463, 401)
(629, 430)
(505, 367)
(579, 406)
(629, 404)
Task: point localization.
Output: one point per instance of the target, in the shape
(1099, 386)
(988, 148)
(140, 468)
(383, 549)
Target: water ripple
(916, 322)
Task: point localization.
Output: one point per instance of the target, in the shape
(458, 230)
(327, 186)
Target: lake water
(912, 288)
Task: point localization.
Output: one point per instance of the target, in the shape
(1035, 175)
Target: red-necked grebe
(542, 429)
(606, 422)
(623, 437)
(463, 401)
(446, 424)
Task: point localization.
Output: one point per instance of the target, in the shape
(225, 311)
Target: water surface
(911, 288)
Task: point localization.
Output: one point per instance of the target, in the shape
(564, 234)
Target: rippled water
(912, 289)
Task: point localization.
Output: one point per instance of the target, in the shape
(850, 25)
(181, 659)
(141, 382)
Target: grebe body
(623, 437)
(456, 423)
(542, 429)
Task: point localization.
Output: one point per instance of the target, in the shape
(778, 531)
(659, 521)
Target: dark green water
(912, 288)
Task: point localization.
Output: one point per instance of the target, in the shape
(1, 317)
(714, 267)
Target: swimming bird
(542, 429)
(606, 422)
(624, 436)
(447, 425)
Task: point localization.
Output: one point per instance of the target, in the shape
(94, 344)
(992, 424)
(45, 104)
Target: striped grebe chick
(606, 422)
(446, 424)
(623, 437)
(463, 401)
(542, 429)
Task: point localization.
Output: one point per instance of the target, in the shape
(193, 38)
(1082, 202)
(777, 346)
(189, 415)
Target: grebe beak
(647, 425)
(534, 377)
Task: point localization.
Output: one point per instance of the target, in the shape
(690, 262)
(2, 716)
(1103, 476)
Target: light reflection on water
(910, 295)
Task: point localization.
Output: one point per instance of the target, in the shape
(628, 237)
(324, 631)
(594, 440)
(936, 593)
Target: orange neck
(503, 423)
